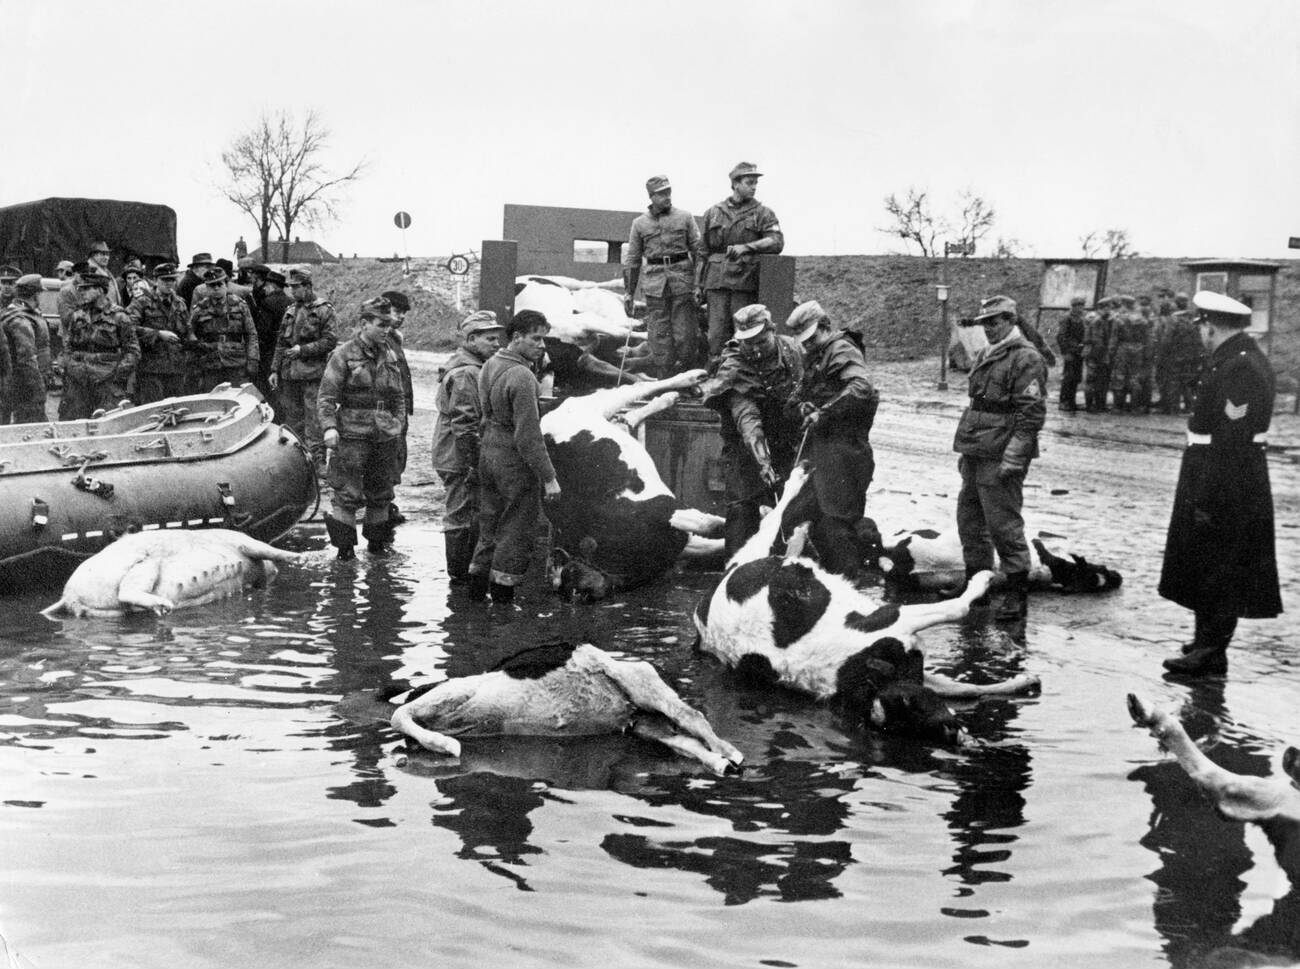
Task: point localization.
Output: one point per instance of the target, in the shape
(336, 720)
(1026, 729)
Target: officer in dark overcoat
(1220, 560)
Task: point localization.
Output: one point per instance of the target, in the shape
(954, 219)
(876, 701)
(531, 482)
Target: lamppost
(962, 248)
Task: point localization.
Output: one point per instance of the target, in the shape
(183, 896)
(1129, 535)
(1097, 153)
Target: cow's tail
(60, 608)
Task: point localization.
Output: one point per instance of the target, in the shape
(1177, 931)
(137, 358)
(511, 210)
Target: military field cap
(1180, 295)
(28, 285)
(377, 309)
(995, 306)
(165, 270)
(227, 265)
(656, 183)
(1223, 310)
(200, 259)
(65, 264)
(274, 277)
(134, 266)
(400, 302)
(99, 247)
(480, 320)
(299, 277)
(1078, 301)
(9, 273)
(253, 268)
(743, 169)
(215, 276)
(802, 323)
(751, 321)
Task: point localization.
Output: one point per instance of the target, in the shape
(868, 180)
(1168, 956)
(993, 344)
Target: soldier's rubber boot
(502, 594)
(460, 544)
(1015, 598)
(476, 586)
(983, 601)
(342, 537)
(1207, 653)
(395, 516)
(378, 536)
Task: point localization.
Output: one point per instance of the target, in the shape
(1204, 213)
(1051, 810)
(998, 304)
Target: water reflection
(1204, 858)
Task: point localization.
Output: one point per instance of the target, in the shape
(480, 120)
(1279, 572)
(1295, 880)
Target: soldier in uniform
(100, 352)
(1130, 353)
(456, 437)
(1071, 338)
(997, 437)
(736, 231)
(1097, 333)
(271, 302)
(224, 334)
(670, 242)
(837, 405)
(514, 469)
(1182, 351)
(1220, 561)
(755, 390)
(401, 306)
(162, 324)
(361, 409)
(308, 333)
(21, 324)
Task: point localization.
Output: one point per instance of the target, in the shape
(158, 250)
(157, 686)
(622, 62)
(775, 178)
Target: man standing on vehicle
(308, 334)
(736, 232)
(670, 242)
(997, 437)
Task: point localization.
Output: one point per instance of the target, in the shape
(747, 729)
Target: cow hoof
(1029, 684)
(1141, 715)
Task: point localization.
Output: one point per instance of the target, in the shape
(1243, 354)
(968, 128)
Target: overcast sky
(1177, 120)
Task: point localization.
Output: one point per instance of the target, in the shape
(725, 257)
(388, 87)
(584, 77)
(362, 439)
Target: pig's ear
(877, 717)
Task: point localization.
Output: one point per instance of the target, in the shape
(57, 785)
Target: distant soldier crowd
(1145, 351)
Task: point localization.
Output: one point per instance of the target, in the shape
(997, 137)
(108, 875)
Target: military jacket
(361, 393)
(1096, 337)
(102, 334)
(224, 332)
(672, 245)
(507, 391)
(728, 224)
(456, 434)
(1131, 328)
(1071, 335)
(1007, 408)
(153, 313)
(19, 324)
(313, 329)
(408, 388)
(758, 401)
(835, 381)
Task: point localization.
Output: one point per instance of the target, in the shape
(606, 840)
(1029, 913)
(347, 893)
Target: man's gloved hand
(274, 381)
(167, 336)
(628, 304)
(330, 438)
(293, 353)
(738, 250)
(811, 418)
(769, 475)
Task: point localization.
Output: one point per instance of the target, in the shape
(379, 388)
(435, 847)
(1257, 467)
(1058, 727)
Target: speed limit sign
(458, 265)
(402, 220)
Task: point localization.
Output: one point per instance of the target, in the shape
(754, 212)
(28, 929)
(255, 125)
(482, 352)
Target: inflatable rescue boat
(215, 460)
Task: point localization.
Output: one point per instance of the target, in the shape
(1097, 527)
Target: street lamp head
(941, 291)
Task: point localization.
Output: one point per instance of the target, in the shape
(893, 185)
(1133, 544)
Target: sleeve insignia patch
(1235, 412)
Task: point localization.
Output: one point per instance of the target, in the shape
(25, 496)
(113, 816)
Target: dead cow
(786, 621)
(561, 690)
(617, 525)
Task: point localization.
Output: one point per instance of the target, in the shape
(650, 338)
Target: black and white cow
(559, 690)
(574, 307)
(616, 524)
(786, 621)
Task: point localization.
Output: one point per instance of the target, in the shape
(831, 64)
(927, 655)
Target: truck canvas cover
(34, 236)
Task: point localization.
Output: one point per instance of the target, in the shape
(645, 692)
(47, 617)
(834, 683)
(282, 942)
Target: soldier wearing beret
(361, 409)
(755, 391)
(26, 351)
(1220, 560)
(308, 334)
(100, 352)
(162, 325)
(1070, 339)
(669, 241)
(456, 437)
(223, 334)
(401, 306)
(997, 437)
(837, 407)
(736, 232)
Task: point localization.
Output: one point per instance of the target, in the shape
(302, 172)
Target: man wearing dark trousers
(1070, 339)
(1220, 561)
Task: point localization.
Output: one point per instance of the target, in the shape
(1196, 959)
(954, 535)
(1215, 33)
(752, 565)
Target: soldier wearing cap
(1220, 560)
(223, 334)
(63, 270)
(401, 305)
(736, 231)
(456, 437)
(755, 390)
(270, 302)
(1130, 355)
(1178, 360)
(100, 352)
(1070, 339)
(308, 334)
(515, 471)
(8, 276)
(837, 406)
(198, 267)
(997, 437)
(1096, 349)
(97, 257)
(670, 242)
(26, 351)
(162, 325)
(361, 409)
(69, 299)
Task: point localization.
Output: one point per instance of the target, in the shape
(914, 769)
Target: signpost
(403, 221)
(949, 249)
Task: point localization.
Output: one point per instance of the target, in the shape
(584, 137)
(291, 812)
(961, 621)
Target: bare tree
(250, 177)
(1115, 243)
(1090, 244)
(976, 218)
(1008, 248)
(306, 190)
(912, 220)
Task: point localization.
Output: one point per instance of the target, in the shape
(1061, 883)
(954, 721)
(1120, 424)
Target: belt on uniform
(669, 259)
(222, 338)
(991, 406)
(368, 405)
(94, 355)
(1260, 438)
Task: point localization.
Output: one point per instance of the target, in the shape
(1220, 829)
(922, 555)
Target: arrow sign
(402, 220)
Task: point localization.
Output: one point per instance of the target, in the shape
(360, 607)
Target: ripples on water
(213, 788)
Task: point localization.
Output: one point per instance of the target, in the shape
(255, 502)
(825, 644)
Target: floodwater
(214, 788)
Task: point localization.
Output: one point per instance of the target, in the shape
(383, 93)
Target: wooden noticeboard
(1064, 279)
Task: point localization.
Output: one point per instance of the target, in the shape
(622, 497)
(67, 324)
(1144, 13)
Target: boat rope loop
(93, 486)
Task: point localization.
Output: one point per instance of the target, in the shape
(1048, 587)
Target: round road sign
(458, 265)
(402, 220)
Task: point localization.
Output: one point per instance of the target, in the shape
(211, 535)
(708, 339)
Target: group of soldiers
(1134, 348)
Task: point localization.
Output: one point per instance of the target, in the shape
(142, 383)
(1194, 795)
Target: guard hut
(588, 244)
(1252, 281)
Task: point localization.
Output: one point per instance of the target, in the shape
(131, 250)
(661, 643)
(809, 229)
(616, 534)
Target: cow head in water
(882, 687)
(574, 577)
